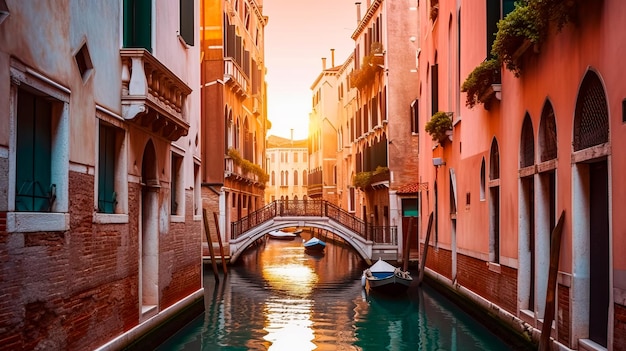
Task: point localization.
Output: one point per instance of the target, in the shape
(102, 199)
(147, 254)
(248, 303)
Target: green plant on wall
(371, 64)
(528, 24)
(438, 126)
(247, 166)
(363, 180)
(479, 80)
(521, 26)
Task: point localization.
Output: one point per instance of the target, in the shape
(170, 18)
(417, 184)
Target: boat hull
(280, 235)
(314, 244)
(392, 284)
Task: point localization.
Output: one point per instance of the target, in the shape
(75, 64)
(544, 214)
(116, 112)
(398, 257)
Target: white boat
(385, 278)
(314, 244)
(280, 235)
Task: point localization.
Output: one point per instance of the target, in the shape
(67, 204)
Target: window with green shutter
(187, 27)
(34, 191)
(138, 24)
(106, 170)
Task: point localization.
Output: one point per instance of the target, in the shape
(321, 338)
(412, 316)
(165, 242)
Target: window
(34, 189)
(177, 189)
(295, 157)
(304, 156)
(415, 116)
(108, 147)
(197, 196)
(304, 178)
(273, 177)
(295, 177)
(138, 24)
(286, 177)
(496, 10)
(409, 206)
(187, 27)
(434, 76)
(38, 152)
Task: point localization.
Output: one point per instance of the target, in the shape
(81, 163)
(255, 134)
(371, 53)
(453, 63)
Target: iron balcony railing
(315, 208)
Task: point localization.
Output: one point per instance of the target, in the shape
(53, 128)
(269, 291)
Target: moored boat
(385, 278)
(280, 235)
(314, 244)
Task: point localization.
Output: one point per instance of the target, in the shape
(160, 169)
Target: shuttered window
(187, 27)
(106, 170)
(34, 191)
(138, 24)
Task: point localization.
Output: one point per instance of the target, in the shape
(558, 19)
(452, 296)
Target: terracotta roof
(412, 188)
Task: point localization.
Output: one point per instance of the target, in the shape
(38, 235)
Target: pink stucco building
(545, 143)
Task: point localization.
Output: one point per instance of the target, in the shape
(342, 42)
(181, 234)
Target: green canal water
(278, 297)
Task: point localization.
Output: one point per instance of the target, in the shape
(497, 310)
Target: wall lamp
(438, 161)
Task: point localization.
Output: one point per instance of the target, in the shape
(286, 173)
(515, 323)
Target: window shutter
(106, 170)
(187, 27)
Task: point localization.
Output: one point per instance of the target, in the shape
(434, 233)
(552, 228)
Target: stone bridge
(371, 242)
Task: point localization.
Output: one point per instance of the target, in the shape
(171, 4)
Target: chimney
(358, 12)
(323, 63)
(332, 57)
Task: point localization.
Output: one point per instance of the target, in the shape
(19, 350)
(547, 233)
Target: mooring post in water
(423, 258)
(219, 241)
(210, 243)
(407, 246)
(555, 250)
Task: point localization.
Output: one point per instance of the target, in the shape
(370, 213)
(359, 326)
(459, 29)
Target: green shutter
(138, 24)
(106, 170)
(493, 16)
(33, 153)
(187, 27)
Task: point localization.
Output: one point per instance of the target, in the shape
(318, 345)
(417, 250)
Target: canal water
(278, 297)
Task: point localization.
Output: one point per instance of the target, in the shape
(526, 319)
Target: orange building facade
(541, 142)
(234, 111)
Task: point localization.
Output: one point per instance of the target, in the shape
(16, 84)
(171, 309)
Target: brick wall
(562, 315)
(78, 289)
(619, 341)
(439, 260)
(499, 288)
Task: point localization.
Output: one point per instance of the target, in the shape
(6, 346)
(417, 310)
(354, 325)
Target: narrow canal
(278, 297)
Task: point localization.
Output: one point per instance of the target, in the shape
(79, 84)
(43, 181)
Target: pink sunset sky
(299, 33)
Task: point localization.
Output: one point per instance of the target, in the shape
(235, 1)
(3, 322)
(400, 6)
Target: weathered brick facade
(77, 289)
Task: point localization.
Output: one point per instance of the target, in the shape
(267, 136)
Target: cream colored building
(287, 164)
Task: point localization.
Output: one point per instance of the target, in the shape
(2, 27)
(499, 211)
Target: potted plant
(434, 9)
(479, 83)
(520, 29)
(371, 64)
(439, 126)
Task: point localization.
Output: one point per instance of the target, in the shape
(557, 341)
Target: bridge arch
(367, 240)
(362, 246)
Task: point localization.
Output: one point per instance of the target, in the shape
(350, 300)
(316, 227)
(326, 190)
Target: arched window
(547, 133)
(286, 177)
(305, 178)
(527, 143)
(591, 122)
(494, 161)
(295, 177)
(483, 180)
(282, 178)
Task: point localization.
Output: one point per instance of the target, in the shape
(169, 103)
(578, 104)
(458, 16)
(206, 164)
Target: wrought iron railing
(314, 208)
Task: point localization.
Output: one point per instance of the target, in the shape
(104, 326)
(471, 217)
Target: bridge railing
(314, 208)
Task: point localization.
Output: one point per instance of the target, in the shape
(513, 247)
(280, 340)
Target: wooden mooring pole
(555, 250)
(210, 243)
(407, 246)
(219, 241)
(423, 258)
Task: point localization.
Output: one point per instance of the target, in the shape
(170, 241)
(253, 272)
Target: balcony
(153, 96)
(234, 77)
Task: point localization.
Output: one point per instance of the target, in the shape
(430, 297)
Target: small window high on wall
(187, 26)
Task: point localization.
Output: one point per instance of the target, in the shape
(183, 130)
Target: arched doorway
(149, 238)
(591, 217)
